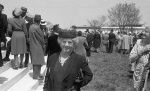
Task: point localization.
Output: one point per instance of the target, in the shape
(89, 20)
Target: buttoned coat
(76, 62)
(37, 45)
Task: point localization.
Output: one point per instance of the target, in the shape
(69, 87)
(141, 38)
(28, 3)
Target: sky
(73, 12)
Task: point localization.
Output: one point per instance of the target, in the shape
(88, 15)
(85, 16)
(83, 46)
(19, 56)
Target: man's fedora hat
(43, 22)
(37, 17)
(24, 9)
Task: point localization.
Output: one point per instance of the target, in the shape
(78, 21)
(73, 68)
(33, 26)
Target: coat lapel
(70, 65)
(52, 65)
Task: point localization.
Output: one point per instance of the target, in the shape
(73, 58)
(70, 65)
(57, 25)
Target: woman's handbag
(79, 77)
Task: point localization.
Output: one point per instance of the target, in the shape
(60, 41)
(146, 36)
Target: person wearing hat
(140, 57)
(29, 21)
(63, 67)
(44, 30)
(18, 40)
(3, 28)
(37, 46)
(52, 43)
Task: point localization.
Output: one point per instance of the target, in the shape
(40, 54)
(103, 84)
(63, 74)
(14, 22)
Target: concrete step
(11, 76)
(27, 83)
(40, 87)
(7, 64)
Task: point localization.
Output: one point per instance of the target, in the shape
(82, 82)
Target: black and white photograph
(74, 45)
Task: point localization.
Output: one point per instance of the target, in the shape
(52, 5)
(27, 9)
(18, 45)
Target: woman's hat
(17, 11)
(43, 22)
(64, 33)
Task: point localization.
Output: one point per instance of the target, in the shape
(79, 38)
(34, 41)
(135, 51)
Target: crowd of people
(66, 64)
(68, 50)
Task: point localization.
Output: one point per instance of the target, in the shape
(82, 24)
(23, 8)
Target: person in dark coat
(64, 67)
(37, 46)
(45, 31)
(52, 45)
(3, 28)
(89, 39)
(112, 40)
(29, 22)
(18, 40)
(96, 41)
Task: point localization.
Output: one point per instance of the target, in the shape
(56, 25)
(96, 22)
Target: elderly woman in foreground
(140, 57)
(64, 67)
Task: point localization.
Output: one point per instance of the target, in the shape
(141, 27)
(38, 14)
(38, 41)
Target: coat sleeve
(46, 84)
(87, 73)
(47, 80)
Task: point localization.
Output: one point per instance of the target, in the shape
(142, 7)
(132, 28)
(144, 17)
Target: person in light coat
(125, 43)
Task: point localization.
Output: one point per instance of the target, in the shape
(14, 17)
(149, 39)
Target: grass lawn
(110, 73)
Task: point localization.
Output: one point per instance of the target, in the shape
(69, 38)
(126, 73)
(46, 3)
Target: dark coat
(90, 38)
(112, 37)
(3, 26)
(76, 62)
(29, 22)
(52, 45)
(37, 45)
(97, 40)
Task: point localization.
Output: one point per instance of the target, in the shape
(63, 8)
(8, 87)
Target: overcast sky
(73, 12)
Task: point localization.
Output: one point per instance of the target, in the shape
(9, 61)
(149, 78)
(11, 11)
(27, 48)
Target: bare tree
(98, 22)
(124, 14)
(101, 20)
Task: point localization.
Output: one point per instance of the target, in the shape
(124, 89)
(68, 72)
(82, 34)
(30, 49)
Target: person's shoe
(21, 65)
(130, 76)
(15, 68)
(6, 59)
(40, 78)
(131, 71)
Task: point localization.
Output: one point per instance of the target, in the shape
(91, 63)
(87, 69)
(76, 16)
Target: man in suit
(29, 22)
(112, 39)
(37, 47)
(89, 38)
(3, 28)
